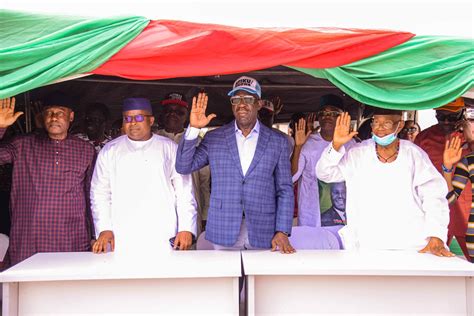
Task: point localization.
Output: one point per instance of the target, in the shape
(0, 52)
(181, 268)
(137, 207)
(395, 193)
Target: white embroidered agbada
(137, 193)
(396, 205)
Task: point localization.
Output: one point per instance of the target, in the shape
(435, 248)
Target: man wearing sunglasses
(306, 156)
(50, 184)
(410, 131)
(175, 112)
(138, 199)
(432, 140)
(251, 203)
(96, 118)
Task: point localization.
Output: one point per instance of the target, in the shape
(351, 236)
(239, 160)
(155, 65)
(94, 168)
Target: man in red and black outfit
(50, 186)
(432, 140)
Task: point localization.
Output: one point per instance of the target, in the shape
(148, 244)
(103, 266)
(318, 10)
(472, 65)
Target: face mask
(387, 139)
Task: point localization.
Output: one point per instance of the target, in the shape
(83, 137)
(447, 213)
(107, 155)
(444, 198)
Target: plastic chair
(203, 244)
(306, 237)
(335, 230)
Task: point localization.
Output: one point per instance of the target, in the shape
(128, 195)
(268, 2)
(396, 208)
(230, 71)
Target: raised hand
(311, 118)
(198, 118)
(277, 105)
(342, 133)
(7, 112)
(301, 136)
(452, 152)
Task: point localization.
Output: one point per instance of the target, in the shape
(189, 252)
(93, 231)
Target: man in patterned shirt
(50, 186)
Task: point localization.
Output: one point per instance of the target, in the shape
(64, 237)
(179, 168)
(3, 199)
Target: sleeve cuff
(192, 133)
(437, 231)
(334, 153)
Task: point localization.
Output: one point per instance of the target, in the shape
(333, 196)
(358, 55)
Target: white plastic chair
(306, 237)
(335, 230)
(203, 244)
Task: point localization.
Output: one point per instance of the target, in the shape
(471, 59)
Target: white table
(176, 282)
(326, 282)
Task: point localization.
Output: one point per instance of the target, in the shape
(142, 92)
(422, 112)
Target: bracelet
(446, 170)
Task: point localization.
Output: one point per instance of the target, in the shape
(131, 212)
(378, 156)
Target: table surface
(89, 266)
(342, 262)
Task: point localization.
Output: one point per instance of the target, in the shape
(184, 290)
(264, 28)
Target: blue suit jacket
(264, 194)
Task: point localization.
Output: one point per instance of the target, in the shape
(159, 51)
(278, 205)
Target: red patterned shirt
(50, 194)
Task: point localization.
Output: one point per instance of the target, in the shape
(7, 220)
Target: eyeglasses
(328, 113)
(58, 114)
(410, 130)
(247, 99)
(138, 118)
(448, 117)
(179, 112)
(384, 125)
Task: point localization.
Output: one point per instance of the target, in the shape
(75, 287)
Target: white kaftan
(137, 193)
(396, 205)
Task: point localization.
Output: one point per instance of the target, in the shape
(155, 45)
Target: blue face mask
(387, 139)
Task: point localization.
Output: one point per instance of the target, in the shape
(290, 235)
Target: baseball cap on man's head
(175, 98)
(247, 84)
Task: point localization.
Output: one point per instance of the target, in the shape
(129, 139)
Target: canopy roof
(381, 68)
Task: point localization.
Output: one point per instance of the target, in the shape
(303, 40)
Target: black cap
(58, 98)
(331, 100)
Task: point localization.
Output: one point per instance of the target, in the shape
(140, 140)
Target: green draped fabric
(36, 50)
(425, 72)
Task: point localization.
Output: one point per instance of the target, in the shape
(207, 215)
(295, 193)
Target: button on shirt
(49, 197)
(245, 145)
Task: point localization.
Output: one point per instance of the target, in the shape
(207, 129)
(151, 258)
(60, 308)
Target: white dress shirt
(245, 145)
(137, 193)
(341, 214)
(396, 205)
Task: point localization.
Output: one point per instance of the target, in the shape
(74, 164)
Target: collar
(255, 129)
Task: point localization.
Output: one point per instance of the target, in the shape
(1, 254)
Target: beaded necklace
(383, 159)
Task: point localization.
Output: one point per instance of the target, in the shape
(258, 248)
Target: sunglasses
(448, 117)
(138, 118)
(410, 130)
(247, 99)
(329, 113)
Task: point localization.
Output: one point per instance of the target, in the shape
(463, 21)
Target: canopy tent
(381, 68)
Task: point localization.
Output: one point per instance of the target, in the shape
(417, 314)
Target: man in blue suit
(251, 204)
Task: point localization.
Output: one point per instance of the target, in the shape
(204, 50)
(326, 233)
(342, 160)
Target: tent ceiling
(299, 92)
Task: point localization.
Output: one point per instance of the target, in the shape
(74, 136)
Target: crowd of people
(143, 186)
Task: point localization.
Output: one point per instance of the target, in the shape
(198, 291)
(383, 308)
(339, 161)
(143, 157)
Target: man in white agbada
(138, 199)
(395, 197)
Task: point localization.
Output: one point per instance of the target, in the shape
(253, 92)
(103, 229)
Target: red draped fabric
(168, 49)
